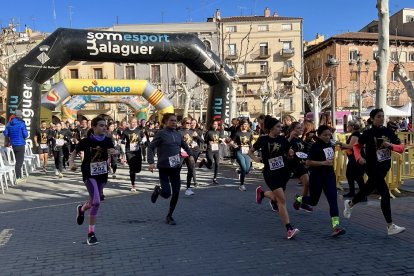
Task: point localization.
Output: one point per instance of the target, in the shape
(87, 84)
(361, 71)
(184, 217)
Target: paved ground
(220, 231)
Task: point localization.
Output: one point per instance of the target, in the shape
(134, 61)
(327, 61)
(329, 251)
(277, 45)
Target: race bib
(214, 147)
(60, 142)
(383, 154)
(174, 161)
(43, 146)
(150, 139)
(276, 163)
(98, 168)
(133, 146)
(329, 153)
(245, 150)
(194, 144)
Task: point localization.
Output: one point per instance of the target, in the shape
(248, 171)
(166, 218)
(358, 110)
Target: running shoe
(169, 220)
(347, 209)
(92, 240)
(306, 208)
(102, 197)
(292, 232)
(274, 206)
(19, 180)
(337, 231)
(215, 181)
(80, 215)
(113, 175)
(259, 196)
(56, 172)
(296, 203)
(133, 189)
(60, 175)
(155, 193)
(43, 169)
(242, 188)
(202, 162)
(349, 195)
(189, 192)
(395, 229)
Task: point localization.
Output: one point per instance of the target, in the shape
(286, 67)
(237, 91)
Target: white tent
(403, 111)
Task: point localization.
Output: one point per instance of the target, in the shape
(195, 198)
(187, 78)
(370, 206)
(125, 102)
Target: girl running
(188, 136)
(96, 147)
(275, 151)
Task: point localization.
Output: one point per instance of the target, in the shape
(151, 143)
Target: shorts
(298, 169)
(45, 150)
(134, 159)
(276, 179)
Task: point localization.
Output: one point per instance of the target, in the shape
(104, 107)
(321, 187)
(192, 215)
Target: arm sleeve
(398, 148)
(24, 132)
(357, 150)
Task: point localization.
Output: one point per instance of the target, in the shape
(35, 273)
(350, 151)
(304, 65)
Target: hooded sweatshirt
(16, 131)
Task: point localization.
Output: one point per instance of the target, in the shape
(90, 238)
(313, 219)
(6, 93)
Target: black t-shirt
(213, 136)
(297, 145)
(133, 138)
(350, 152)
(95, 152)
(75, 134)
(243, 140)
(188, 137)
(150, 133)
(274, 152)
(321, 151)
(43, 135)
(83, 132)
(60, 138)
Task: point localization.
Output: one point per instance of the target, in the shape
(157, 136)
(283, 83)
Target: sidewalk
(219, 231)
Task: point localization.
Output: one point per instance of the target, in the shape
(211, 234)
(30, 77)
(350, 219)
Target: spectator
(17, 133)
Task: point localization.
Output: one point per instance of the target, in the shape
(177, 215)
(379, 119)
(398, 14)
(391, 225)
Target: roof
(255, 18)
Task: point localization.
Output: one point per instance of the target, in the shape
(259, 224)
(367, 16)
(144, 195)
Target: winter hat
(18, 113)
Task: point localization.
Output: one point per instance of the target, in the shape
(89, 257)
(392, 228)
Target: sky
(327, 17)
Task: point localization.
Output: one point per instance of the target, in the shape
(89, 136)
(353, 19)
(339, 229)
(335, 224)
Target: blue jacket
(17, 132)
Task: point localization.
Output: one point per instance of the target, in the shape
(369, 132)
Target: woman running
(168, 143)
(59, 138)
(322, 177)
(96, 147)
(242, 143)
(275, 151)
(113, 159)
(378, 142)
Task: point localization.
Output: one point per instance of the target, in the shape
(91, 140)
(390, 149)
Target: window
(411, 56)
(394, 76)
(130, 72)
(287, 45)
(286, 27)
(374, 76)
(409, 18)
(74, 73)
(232, 50)
(353, 99)
(353, 55)
(208, 44)
(244, 107)
(231, 29)
(289, 63)
(264, 50)
(374, 54)
(263, 68)
(97, 73)
(244, 88)
(394, 56)
(181, 72)
(328, 57)
(353, 76)
(411, 75)
(263, 28)
(241, 69)
(100, 106)
(156, 73)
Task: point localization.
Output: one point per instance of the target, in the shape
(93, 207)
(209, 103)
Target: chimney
(267, 12)
(218, 15)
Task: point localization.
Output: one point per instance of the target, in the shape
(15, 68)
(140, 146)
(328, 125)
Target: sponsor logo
(96, 88)
(53, 96)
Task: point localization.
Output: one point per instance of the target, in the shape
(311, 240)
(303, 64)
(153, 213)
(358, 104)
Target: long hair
(308, 126)
(291, 128)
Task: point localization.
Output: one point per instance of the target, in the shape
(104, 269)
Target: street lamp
(358, 69)
(332, 63)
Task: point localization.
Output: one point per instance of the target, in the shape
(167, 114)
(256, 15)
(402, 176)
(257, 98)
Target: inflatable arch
(86, 91)
(64, 45)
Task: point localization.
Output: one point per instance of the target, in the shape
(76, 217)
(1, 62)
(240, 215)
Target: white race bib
(194, 144)
(174, 161)
(329, 153)
(43, 146)
(276, 163)
(98, 168)
(133, 147)
(60, 142)
(245, 149)
(383, 154)
(214, 147)
(150, 139)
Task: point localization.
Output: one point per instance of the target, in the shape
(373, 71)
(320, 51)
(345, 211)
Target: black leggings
(19, 154)
(376, 180)
(354, 173)
(58, 155)
(170, 176)
(210, 156)
(191, 172)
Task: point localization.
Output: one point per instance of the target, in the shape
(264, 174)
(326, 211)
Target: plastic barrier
(407, 138)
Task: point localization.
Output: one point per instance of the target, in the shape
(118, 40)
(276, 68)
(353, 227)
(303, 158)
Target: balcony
(288, 71)
(262, 53)
(287, 53)
(264, 73)
(231, 55)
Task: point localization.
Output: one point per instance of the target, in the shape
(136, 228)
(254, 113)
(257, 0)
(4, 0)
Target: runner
(41, 140)
(322, 177)
(133, 139)
(378, 142)
(241, 143)
(113, 159)
(213, 137)
(275, 154)
(168, 143)
(97, 146)
(58, 139)
(188, 136)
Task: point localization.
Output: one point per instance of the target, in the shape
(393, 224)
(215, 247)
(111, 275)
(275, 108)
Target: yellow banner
(105, 87)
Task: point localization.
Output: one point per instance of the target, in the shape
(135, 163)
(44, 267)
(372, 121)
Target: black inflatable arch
(64, 45)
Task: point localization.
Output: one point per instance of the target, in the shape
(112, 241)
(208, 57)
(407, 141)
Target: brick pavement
(220, 231)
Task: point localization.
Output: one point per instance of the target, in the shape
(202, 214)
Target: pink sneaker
(292, 232)
(259, 197)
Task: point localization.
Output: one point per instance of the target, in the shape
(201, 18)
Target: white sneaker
(60, 175)
(57, 172)
(347, 209)
(19, 180)
(242, 188)
(133, 190)
(189, 192)
(113, 175)
(395, 229)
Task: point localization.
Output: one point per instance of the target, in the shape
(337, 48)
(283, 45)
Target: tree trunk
(315, 109)
(187, 97)
(383, 53)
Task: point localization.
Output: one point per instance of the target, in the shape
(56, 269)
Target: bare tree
(382, 58)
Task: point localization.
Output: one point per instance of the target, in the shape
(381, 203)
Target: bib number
(194, 144)
(99, 168)
(43, 146)
(245, 150)
(174, 161)
(276, 163)
(60, 142)
(133, 147)
(150, 139)
(383, 155)
(214, 147)
(329, 153)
